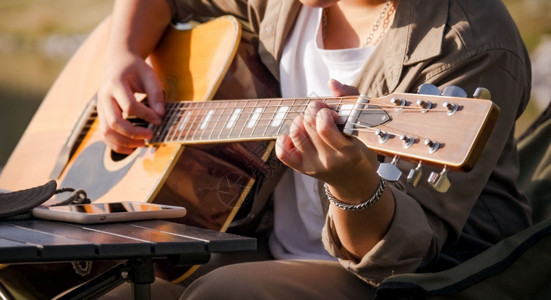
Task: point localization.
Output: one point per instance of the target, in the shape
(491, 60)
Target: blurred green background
(37, 37)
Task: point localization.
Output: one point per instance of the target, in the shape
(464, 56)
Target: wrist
(366, 203)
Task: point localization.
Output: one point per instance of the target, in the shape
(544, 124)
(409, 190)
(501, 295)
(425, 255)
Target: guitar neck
(193, 122)
(440, 130)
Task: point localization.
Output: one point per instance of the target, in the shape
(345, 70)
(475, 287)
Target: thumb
(338, 89)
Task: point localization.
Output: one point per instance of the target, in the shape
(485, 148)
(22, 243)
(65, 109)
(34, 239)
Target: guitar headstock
(444, 129)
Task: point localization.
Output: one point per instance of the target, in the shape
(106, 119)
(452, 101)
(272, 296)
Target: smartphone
(94, 213)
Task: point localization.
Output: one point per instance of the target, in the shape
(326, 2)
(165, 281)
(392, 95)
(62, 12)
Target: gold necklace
(385, 14)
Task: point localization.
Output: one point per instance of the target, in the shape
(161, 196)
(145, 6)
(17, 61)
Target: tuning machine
(407, 141)
(428, 89)
(389, 171)
(450, 91)
(440, 181)
(414, 175)
(382, 136)
(454, 91)
(398, 102)
(482, 93)
(425, 105)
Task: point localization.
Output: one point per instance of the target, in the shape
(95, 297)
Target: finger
(338, 89)
(287, 152)
(300, 137)
(118, 142)
(118, 131)
(131, 107)
(155, 94)
(122, 144)
(311, 118)
(328, 131)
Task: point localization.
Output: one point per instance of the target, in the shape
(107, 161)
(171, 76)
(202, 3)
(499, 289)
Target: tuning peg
(389, 171)
(398, 102)
(428, 89)
(407, 141)
(440, 181)
(425, 105)
(454, 91)
(482, 93)
(414, 175)
(433, 146)
(451, 107)
(382, 136)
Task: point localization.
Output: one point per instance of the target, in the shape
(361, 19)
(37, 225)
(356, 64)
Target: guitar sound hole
(117, 156)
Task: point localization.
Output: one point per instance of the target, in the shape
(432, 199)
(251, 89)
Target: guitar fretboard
(189, 122)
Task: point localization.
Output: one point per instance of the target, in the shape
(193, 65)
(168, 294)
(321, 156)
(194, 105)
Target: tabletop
(40, 241)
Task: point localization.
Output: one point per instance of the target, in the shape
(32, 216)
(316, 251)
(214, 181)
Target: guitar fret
(255, 117)
(247, 117)
(173, 121)
(220, 111)
(191, 128)
(207, 115)
(273, 113)
(157, 132)
(231, 119)
(251, 116)
(290, 116)
(206, 119)
(198, 135)
(184, 121)
(198, 117)
(165, 127)
(280, 116)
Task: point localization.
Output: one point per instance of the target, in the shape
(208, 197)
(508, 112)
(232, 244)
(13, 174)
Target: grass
(35, 18)
(532, 18)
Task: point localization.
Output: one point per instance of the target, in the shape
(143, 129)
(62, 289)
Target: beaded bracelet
(367, 203)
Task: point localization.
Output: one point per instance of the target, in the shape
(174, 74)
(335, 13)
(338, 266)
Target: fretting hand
(316, 147)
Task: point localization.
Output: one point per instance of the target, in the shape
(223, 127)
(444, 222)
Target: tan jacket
(467, 43)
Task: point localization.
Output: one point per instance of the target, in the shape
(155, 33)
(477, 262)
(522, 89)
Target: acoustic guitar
(215, 157)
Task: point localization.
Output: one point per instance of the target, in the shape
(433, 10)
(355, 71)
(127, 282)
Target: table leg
(139, 272)
(141, 276)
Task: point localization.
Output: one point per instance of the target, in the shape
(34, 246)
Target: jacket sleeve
(434, 230)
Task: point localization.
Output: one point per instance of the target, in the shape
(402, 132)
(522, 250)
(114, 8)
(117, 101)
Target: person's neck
(350, 22)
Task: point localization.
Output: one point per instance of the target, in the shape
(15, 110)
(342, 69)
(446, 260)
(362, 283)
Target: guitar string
(386, 108)
(263, 121)
(172, 113)
(181, 107)
(175, 110)
(228, 114)
(358, 127)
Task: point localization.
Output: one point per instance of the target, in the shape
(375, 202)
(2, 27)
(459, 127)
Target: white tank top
(305, 71)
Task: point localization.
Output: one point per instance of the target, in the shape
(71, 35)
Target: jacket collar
(416, 35)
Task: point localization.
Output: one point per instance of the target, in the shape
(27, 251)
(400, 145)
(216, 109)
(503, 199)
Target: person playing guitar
(339, 201)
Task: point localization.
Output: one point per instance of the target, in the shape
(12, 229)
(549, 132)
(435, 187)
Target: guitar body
(214, 60)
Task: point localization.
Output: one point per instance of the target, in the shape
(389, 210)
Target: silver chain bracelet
(367, 203)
